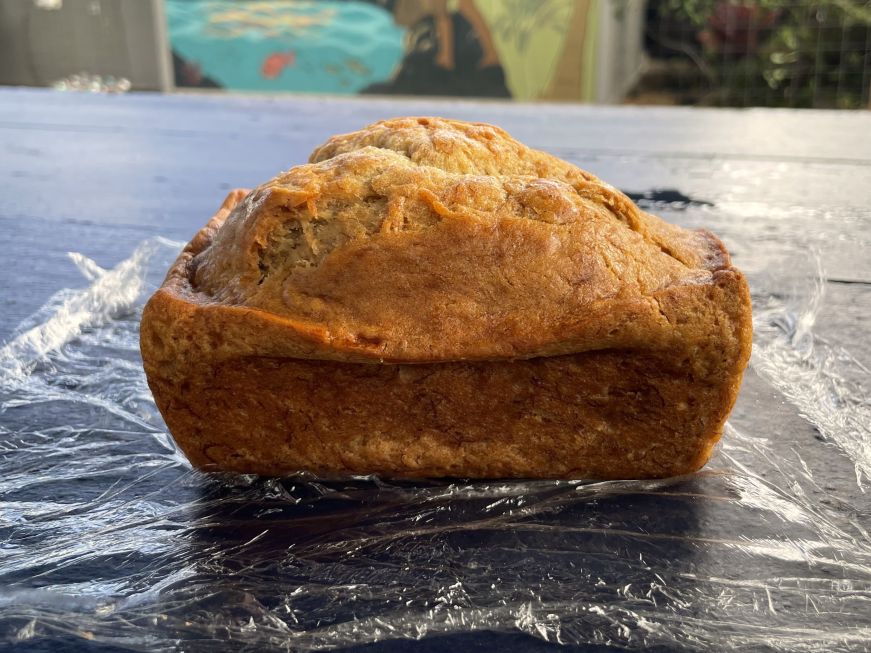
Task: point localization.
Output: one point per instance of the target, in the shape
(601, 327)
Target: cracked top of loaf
(424, 239)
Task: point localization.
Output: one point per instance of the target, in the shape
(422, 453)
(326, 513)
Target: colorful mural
(316, 47)
(525, 49)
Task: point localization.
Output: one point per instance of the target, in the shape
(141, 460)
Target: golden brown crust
(447, 247)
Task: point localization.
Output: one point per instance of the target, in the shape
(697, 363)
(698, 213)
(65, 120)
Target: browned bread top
(423, 240)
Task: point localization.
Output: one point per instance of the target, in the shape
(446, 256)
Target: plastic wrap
(109, 536)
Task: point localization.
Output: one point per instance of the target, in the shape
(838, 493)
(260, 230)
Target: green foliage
(816, 54)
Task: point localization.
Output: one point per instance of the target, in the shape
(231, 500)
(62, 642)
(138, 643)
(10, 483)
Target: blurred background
(777, 53)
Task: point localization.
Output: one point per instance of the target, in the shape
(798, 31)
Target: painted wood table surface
(111, 542)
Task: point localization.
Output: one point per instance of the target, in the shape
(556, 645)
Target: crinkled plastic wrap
(109, 536)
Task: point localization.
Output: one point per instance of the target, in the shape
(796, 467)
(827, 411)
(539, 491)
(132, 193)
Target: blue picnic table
(109, 541)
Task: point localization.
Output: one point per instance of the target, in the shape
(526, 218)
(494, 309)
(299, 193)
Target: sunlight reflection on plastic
(108, 535)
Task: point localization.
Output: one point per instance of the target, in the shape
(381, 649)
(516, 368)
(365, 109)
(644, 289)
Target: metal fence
(791, 53)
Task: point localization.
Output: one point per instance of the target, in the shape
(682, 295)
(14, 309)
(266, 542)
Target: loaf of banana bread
(431, 298)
